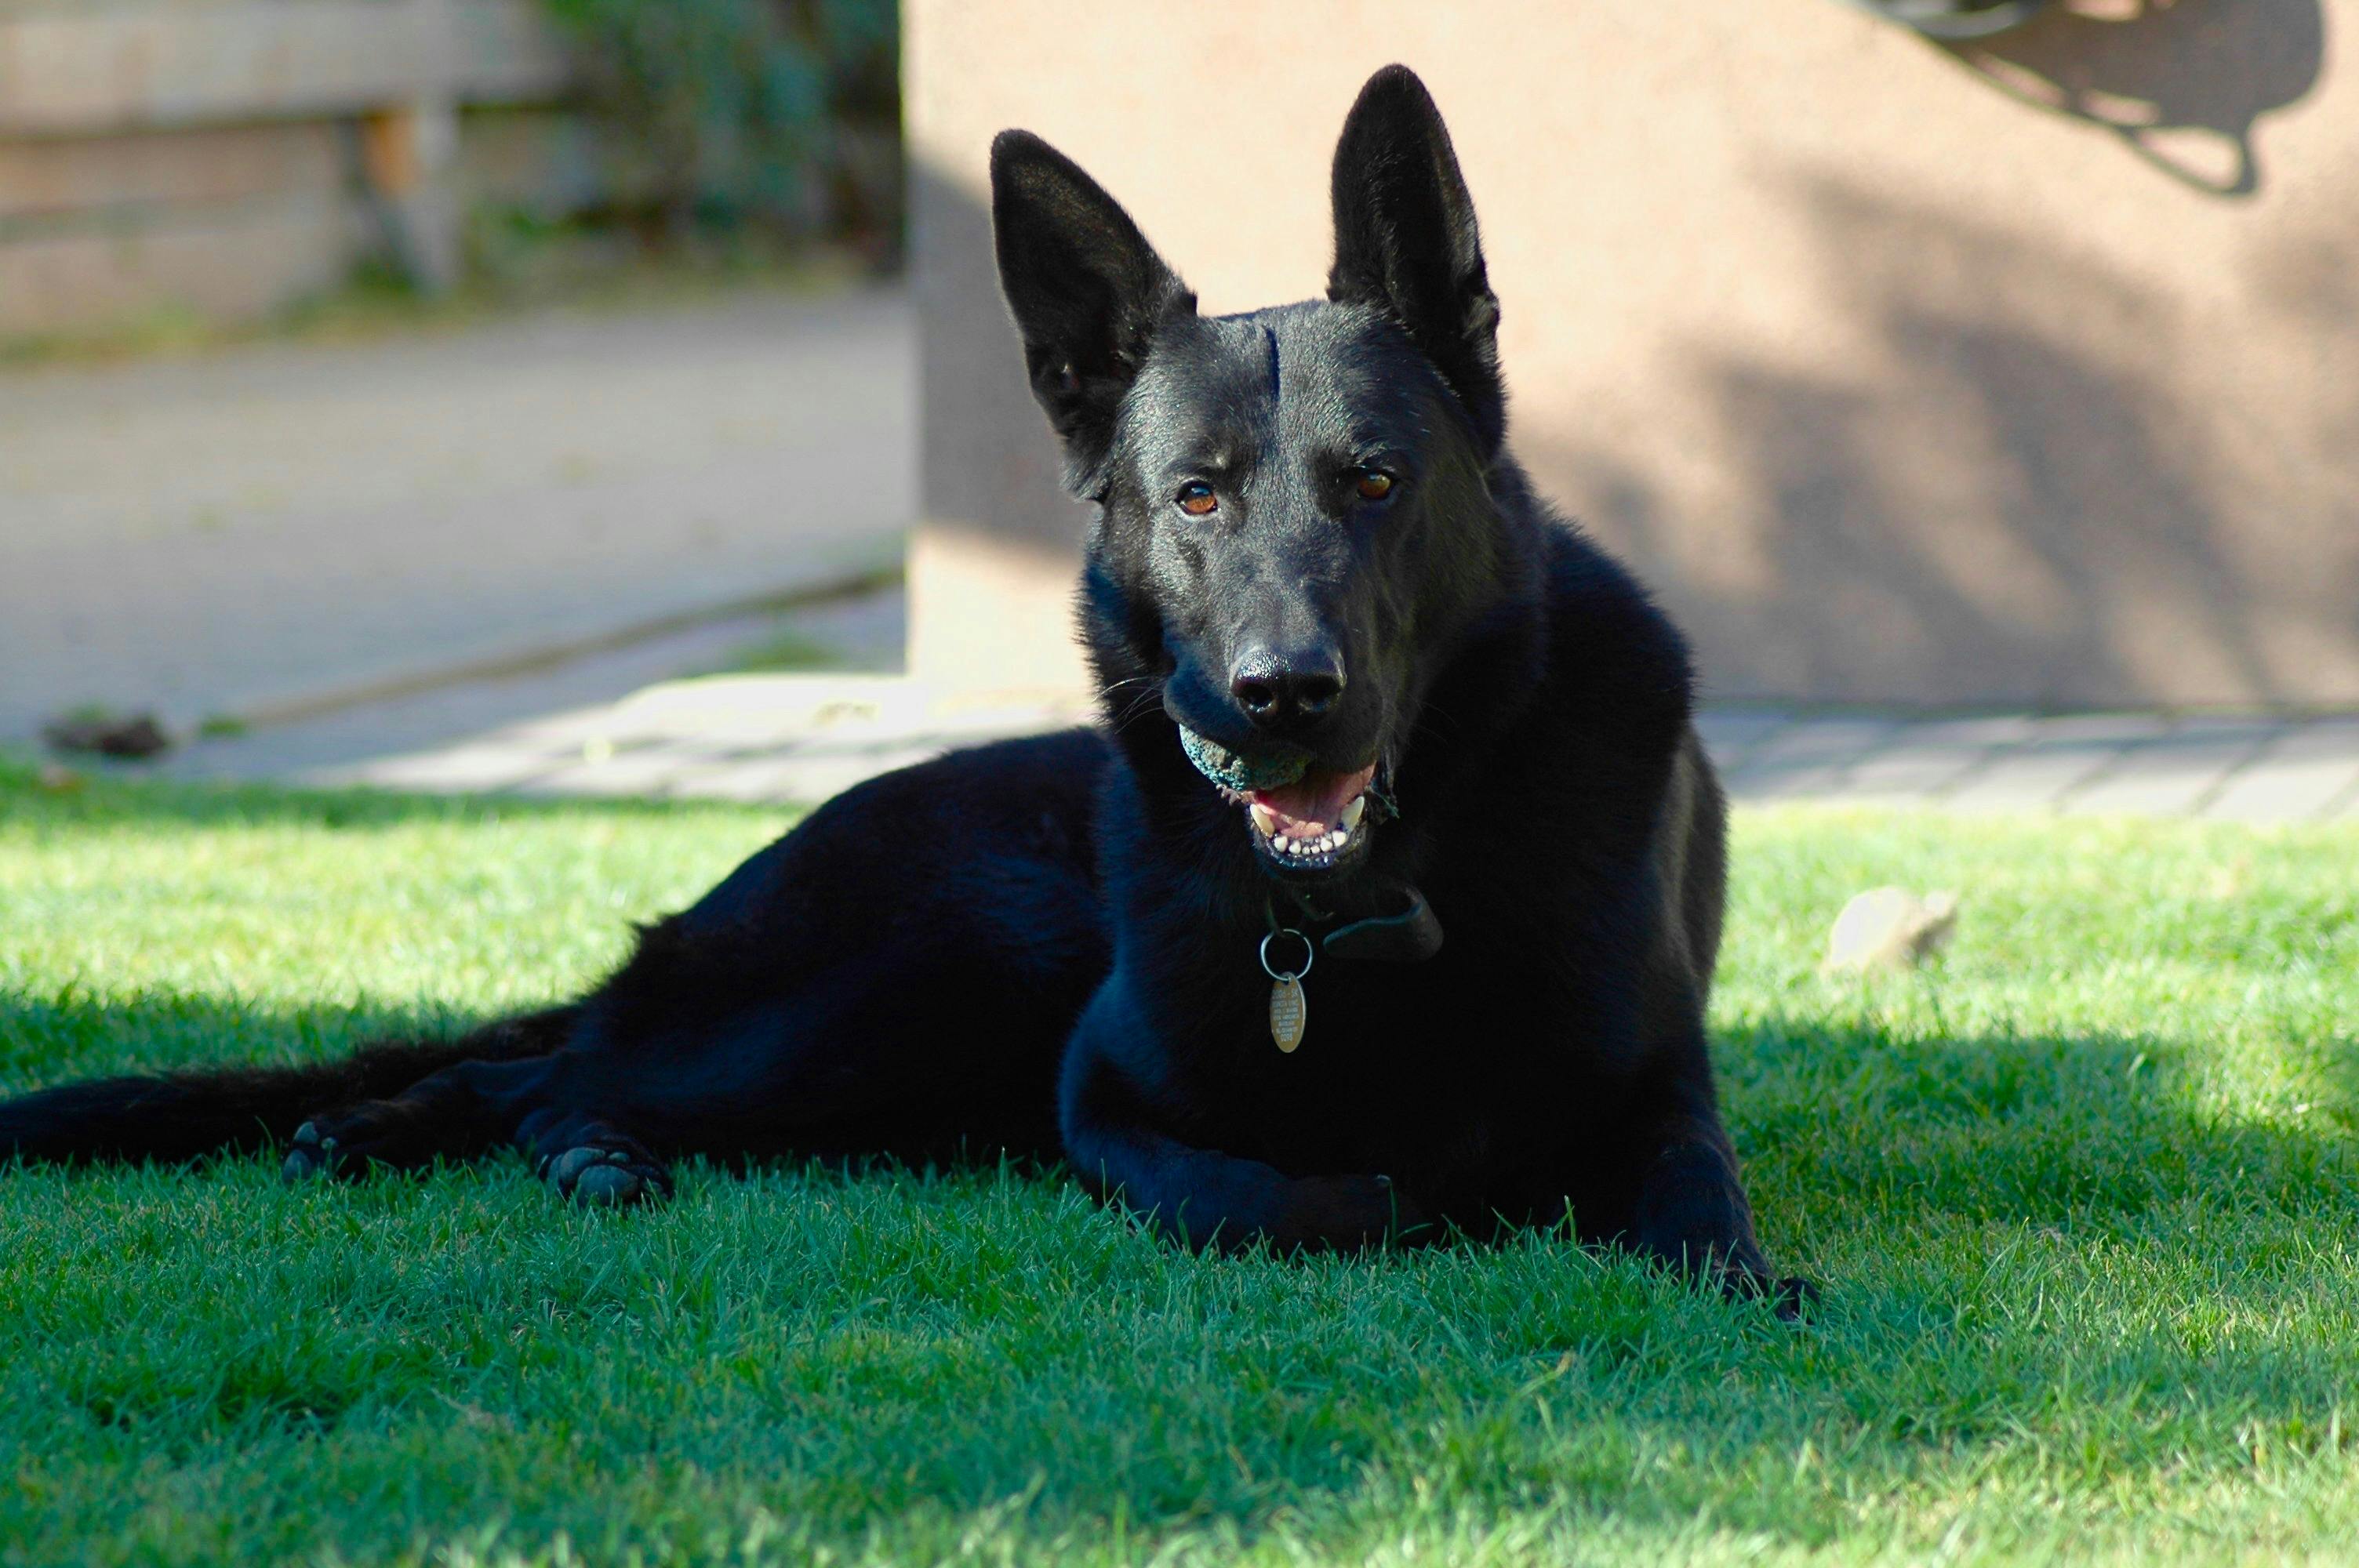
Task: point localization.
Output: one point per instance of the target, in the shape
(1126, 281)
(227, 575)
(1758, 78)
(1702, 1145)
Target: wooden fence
(223, 157)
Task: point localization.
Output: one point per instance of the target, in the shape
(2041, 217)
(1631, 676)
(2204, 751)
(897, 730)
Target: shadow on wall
(987, 456)
(2027, 478)
(2006, 467)
(2179, 81)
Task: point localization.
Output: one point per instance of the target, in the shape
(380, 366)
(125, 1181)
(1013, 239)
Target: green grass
(2082, 1200)
(783, 651)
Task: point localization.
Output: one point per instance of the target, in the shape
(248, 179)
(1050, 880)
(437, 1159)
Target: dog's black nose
(1277, 688)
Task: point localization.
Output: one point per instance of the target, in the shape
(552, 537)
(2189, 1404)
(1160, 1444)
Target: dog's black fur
(1312, 549)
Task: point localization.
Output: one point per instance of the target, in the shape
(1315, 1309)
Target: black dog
(1360, 688)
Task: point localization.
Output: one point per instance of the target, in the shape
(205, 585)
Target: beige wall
(2025, 375)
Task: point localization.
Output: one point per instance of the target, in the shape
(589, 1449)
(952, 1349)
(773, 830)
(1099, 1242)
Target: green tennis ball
(1228, 770)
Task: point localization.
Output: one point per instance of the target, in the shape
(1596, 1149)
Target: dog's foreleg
(459, 1113)
(1692, 1212)
(1206, 1199)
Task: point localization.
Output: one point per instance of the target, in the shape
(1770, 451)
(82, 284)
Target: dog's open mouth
(1302, 818)
(1316, 820)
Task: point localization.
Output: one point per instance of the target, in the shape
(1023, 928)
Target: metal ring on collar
(1309, 953)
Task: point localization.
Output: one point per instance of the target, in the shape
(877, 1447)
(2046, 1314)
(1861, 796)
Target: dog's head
(1293, 514)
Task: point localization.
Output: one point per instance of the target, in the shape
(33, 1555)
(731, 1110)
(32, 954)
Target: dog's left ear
(1088, 292)
(1405, 240)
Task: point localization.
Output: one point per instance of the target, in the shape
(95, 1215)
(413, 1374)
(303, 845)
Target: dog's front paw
(1793, 1297)
(1349, 1212)
(311, 1153)
(1790, 1296)
(359, 1139)
(609, 1174)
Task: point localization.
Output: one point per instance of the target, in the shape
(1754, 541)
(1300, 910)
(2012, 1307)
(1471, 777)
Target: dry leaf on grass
(1889, 928)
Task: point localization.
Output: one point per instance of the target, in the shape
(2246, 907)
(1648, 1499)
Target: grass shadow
(1844, 1119)
(48, 1040)
(882, 1344)
(100, 795)
(2055, 1130)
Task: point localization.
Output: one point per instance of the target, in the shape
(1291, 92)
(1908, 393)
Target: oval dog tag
(1289, 1011)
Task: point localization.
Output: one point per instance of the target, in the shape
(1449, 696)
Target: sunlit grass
(2082, 1199)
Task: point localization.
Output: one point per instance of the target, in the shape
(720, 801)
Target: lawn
(2081, 1199)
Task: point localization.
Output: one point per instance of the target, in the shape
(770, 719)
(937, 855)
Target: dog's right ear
(1086, 289)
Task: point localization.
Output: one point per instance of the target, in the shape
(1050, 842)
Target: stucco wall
(2022, 374)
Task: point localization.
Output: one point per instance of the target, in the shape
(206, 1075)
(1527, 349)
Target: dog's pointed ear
(1405, 240)
(1086, 289)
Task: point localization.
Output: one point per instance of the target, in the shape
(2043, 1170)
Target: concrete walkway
(2256, 769)
(268, 527)
(800, 737)
(318, 536)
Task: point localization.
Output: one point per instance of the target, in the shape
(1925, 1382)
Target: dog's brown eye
(1197, 500)
(1374, 484)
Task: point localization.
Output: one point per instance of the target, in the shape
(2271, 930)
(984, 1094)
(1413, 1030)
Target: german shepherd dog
(1362, 688)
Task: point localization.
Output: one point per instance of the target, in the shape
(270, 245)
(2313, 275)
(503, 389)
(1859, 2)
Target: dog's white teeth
(1298, 845)
(1304, 841)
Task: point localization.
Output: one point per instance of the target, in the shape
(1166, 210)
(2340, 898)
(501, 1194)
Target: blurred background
(614, 394)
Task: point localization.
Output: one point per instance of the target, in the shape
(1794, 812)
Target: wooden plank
(407, 153)
(51, 177)
(119, 67)
(235, 263)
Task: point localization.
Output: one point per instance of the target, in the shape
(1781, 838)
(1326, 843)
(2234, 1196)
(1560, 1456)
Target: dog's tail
(182, 1116)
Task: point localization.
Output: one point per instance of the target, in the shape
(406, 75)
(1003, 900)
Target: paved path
(269, 526)
(2259, 769)
(803, 737)
(278, 527)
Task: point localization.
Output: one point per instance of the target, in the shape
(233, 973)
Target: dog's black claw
(308, 1156)
(1793, 1297)
(565, 1170)
(607, 1186)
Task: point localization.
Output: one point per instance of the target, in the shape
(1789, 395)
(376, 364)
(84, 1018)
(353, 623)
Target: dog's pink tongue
(1315, 801)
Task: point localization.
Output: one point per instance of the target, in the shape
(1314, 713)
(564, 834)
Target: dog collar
(1410, 935)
